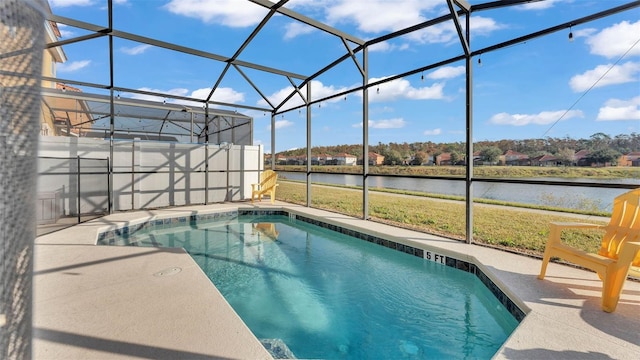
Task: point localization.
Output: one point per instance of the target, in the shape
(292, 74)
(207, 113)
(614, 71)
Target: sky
(545, 87)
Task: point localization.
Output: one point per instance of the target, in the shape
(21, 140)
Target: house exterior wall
(631, 159)
(50, 57)
(346, 160)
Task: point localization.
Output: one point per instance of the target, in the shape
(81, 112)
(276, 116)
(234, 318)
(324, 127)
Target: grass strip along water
(498, 224)
(513, 172)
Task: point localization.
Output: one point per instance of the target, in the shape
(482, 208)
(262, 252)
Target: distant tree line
(601, 147)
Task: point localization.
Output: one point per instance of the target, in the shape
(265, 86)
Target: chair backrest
(623, 226)
(268, 229)
(268, 179)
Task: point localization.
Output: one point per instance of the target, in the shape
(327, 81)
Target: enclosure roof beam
(138, 102)
(309, 21)
(565, 25)
(463, 4)
(76, 39)
(447, 17)
(500, 3)
(456, 22)
(166, 45)
(246, 43)
(254, 33)
(352, 55)
(297, 90)
(264, 97)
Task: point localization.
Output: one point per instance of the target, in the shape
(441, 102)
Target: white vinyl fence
(146, 174)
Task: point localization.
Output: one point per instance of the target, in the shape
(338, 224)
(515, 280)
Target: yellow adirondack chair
(267, 185)
(619, 253)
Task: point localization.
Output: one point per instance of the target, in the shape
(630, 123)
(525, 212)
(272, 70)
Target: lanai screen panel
(75, 113)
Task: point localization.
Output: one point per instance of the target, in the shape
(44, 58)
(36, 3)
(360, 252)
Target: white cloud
(584, 32)
(439, 33)
(383, 46)
(176, 91)
(376, 16)
(437, 131)
(395, 123)
(318, 91)
(222, 94)
(481, 25)
(617, 74)
(281, 124)
(540, 5)
(389, 91)
(402, 89)
(136, 50)
(73, 66)
(447, 72)
(65, 3)
(65, 31)
(446, 32)
(543, 118)
(616, 109)
(386, 46)
(616, 40)
(295, 29)
(230, 13)
(380, 16)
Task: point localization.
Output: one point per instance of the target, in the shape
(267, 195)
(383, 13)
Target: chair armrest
(255, 186)
(556, 228)
(575, 225)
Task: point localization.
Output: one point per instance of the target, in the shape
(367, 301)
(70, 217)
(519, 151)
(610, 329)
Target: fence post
(78, 187)
(108, 185)
(133, 176)
(206, 173)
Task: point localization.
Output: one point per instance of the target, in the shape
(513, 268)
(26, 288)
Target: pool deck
(97, 302)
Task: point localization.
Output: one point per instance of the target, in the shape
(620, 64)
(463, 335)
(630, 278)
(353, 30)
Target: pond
(570, 197)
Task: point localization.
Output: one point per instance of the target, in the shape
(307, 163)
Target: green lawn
(516, 229)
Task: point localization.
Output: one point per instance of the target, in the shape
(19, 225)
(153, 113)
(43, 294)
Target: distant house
(545, 160)
(580, 158)
(281, 160)
(322, 159)
(630, 159)
(293, 160)
(267, 159)
(443, 159)
(477, 159)
(428, 160)
(515, 158)
(344, 159)
(375, 159)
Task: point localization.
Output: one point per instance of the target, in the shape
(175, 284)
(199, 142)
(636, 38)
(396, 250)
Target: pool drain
(168, 272)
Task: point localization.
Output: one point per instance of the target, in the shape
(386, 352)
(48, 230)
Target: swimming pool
(326, 294)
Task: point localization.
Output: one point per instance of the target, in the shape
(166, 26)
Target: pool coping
(563, 314)
(450, 259)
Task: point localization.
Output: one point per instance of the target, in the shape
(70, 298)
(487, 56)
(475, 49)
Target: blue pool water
(328, 295)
